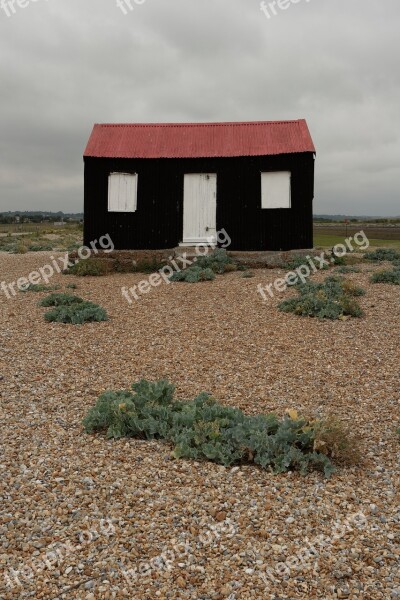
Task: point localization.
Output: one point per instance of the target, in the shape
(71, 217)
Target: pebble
(290, 520)
(218, 529)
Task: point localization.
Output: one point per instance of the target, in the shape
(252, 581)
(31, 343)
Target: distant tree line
(26, 217)
(380, 220)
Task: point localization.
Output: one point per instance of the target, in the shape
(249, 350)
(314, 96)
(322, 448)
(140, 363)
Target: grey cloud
(65, 64)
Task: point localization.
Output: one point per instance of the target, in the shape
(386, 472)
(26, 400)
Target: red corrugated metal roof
(199, 140)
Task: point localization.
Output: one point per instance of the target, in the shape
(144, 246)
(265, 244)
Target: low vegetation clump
(193, 274)
(205, 429)
(332, 437)
(72, 246)
(332, 299)
(388, 276)
(218, 261)
(21, 249)
(72, 309)
(391, 276)
(149, 266)
(97, 267)
(43, 247)
(383, 254)
(297, 261)
(144, 265)
(338, 260)
(90, 267)
(60, 299)
(7, 246)
(345, 269)
(77, 314)
(40, 287)
(205, 267)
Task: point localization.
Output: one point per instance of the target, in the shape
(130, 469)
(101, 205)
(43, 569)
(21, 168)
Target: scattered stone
(114, 519)
(220, 516)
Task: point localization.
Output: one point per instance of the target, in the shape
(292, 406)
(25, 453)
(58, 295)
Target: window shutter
(275, 189)
(122, 192)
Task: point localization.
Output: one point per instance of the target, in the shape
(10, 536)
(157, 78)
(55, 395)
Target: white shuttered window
(275, 189)
(122, 192)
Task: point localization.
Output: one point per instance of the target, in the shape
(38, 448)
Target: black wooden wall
(158, 221)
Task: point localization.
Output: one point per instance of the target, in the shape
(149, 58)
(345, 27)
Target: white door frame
(199, 209)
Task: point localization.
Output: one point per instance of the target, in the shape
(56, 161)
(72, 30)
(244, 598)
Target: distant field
(326, 241)
(378, 235)
(38, 228)
(377, 232)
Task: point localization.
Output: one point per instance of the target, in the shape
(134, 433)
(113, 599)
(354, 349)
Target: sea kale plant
(388, 276)
(345, 269)
(193, 274)
(68, 308)
(203, 429)
(205, 267)
(332, 299)
(40, 287)
(383, 254)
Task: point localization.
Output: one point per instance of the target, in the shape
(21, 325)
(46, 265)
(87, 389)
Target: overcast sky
(66, 64)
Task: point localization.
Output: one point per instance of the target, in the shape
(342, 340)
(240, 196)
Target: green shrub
(71, 286)
(332, 299)
(40, 247)
(298, 261)
(60, 299)
(218, 261)
(350, 307)
(387, 276)
(338, 260)
(295, 262)
(205, 267)
(193, 274)
(72, 309)
(93, 267)
(205, 429)
(6, 245)
(148, 266)
(382, 254)
(77, 313)
(39, 287)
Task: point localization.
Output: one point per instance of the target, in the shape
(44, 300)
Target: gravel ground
(83, 517)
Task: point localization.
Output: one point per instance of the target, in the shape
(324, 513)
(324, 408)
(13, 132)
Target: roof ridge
(207, 124)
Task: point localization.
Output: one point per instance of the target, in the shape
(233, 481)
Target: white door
(199, 208)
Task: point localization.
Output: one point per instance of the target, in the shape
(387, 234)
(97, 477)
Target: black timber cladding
(158, 221)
